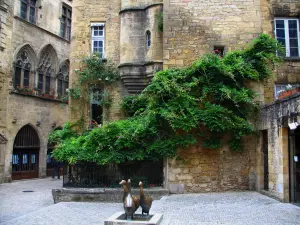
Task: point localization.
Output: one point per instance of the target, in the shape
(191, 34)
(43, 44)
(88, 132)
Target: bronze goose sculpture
(135, 199)
(145, 201)
(128, 203)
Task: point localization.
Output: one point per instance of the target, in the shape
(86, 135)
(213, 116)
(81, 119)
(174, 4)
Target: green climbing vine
(207, 100)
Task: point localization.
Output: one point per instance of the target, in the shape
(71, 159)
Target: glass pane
(23, 10)
(294, 43)
(26, 78)
(280, 33)
(100, 43)
(294, 52)
(62, 29)
(59, 87)
(293, 33)
(95, 44)
(279, 23)
(96, 32)
(292, 24)
(69, 14)
(68, 33)
(33, 159)
(40, 82)
(18, 77)
(47, 88)
(101, 33)
(32, 2)
(32, 15)
(68, 22)
(64, 11)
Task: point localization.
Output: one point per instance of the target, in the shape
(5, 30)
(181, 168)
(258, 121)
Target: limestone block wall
(85, 13)
(23, 110)
(48, 15)
(287, 72)
(138, 3)
(192, 27)
(274, 119)
(207, 170)
(138, 61)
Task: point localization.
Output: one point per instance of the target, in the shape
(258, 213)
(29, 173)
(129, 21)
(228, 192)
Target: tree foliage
(208, 99)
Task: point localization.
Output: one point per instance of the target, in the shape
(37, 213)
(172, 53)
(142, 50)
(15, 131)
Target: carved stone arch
(47, 60)
(25, 57)
(64, 69)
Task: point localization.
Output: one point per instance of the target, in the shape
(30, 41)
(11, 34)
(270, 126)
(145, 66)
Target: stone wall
(274, 119)
(289, 71)
(207, 170)
(17, 110)
(85, 14)
(192, 27)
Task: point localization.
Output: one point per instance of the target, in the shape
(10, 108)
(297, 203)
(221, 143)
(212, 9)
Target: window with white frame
(98, 38)
(287, 33)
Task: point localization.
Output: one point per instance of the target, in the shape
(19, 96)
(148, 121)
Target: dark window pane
(279, 23)
(294, 43)
(96, 33)
(293, 33)
(23, 10)
(64, 10)
(100, 43)
(47, 88)
(18, 77)
(294, 52)
(62, 29)
(59, 87)
(68, 33)
(26, 78)
(292, 24)
(280, 33)
(65, 88)
(32, 15)
(40, 82)
(69, 14)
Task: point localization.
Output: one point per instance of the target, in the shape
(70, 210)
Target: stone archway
(25, 158)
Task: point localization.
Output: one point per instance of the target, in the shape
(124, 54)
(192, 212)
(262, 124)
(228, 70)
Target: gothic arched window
(22, 70)
(46, 68)
(63, 79)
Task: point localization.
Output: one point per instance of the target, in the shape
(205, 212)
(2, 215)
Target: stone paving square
(241, 208)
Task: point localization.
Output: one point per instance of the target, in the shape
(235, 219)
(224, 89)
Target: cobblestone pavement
(190, 209)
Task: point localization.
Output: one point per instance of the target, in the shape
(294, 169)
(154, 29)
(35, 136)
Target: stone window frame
(24, 61)
(148, 38)
(66, 22)
(98, 38)
(63, 79)
(46, 70)
(286, 32)
(30, 5)
(94, 104)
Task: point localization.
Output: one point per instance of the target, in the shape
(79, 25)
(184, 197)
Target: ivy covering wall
(206, 100)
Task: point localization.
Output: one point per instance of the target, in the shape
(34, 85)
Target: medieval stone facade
(191, 29)
(34, 69)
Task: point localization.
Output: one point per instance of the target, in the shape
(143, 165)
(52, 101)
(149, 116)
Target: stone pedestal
(119, 219)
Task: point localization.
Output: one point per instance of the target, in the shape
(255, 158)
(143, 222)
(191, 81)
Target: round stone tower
(141, 47)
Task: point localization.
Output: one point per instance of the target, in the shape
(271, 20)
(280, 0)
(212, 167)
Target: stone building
(34, 72)
(125, 31)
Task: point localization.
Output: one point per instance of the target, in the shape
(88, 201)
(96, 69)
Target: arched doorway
(25, 158)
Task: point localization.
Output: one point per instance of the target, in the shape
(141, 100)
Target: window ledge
(296, 59)
(36, 26)
(40, 97)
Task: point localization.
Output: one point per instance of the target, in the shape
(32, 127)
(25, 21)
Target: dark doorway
(295, 165)
(265, 159)
(25, 158)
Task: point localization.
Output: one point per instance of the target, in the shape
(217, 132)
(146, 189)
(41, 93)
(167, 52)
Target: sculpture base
(139, 219)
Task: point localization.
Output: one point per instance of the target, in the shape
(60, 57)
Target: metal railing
(93, 175)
